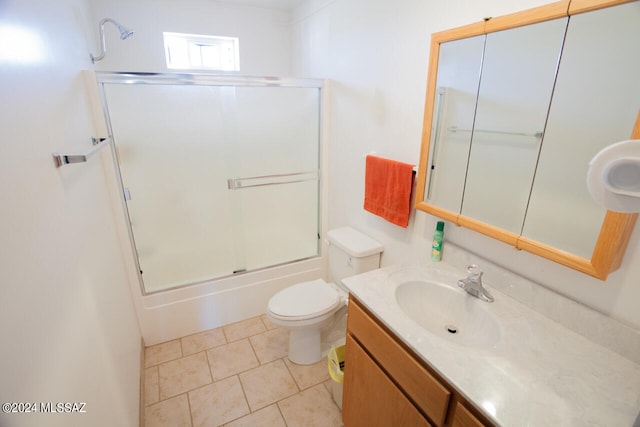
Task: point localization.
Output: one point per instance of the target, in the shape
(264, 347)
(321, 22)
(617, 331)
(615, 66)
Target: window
(193, 51)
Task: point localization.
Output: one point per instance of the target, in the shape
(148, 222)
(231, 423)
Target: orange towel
(387, 189)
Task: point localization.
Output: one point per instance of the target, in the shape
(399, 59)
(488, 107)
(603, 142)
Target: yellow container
(336, 363)
(336, 371)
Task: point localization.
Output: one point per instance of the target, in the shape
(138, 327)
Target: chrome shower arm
(124, 34)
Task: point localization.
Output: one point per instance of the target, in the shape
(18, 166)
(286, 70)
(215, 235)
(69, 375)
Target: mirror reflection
(595, 104)
(518, 72)
(458, 77)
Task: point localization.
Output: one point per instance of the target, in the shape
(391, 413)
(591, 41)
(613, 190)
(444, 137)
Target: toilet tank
(351, 253)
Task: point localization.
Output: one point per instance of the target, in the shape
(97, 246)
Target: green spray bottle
(436, 246)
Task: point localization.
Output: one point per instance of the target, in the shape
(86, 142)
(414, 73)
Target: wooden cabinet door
(463, 418)
(371, 398)
(425, 391)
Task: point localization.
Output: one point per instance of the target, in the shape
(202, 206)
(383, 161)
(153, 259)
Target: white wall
(376, 53)
(264, 33)
(67, 323)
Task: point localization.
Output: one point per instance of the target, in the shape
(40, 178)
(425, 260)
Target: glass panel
(459, 65)
(277, 133)
(177, 148)
(518, 73)
(595, 104)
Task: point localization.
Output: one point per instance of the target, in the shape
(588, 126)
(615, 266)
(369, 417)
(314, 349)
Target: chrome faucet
(473, 284)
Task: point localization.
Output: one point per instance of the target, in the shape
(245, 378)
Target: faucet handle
(474, 270)
(473, 283)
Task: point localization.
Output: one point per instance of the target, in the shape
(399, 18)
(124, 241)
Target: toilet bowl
(305, 309)
(308, 307)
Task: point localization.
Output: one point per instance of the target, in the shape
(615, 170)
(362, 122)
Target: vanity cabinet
(386, 384)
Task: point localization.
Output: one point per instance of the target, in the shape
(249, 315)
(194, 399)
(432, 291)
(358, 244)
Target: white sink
(448, 312)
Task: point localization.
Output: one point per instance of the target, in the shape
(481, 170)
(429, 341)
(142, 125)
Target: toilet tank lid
(354, 242)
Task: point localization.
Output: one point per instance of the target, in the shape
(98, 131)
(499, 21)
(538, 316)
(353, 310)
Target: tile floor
(237, 375)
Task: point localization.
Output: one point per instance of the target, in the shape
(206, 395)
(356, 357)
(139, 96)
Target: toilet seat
(305, 300)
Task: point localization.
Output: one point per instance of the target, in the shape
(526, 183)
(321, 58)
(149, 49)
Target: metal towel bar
(454, 129)
(64, 159)
(373, 153)
(257, 181)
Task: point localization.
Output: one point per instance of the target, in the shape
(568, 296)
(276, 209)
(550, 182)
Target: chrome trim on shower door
(136, 78)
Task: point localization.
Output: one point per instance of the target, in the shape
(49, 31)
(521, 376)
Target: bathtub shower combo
(220, 175)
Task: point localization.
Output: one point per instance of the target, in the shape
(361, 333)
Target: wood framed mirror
(516, 107)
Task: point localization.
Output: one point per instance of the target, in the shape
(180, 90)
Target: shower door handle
(258, 181)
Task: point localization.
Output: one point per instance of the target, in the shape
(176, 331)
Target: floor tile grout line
(224, 333)
(255, 353)
(282, 413)
(295, 394)
(189, 407)
(202, 332)
(266, 326)
(259, 318)
(291, 373)
(260, 363)
(206, 356)
(157, 368)
(187, 391)
(244, 394)
(209, 348)
(181, 345)
(164, 361)
(285, 397)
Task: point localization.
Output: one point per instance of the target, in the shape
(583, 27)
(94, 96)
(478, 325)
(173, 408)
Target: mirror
(457, 87)
(511, 110)
(607, 96)
(507, 142)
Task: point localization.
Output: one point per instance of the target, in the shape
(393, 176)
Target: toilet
(307, 307)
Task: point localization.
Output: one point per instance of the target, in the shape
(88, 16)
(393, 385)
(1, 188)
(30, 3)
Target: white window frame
(201, 52)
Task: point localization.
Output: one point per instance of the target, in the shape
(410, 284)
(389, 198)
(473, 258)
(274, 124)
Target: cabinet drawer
(419, 385)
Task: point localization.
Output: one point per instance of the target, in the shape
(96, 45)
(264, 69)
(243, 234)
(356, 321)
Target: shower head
(125, 33)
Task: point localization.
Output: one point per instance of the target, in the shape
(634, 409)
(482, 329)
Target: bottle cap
(440, 226)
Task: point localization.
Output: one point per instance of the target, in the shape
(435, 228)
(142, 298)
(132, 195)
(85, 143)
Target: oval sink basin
(449, 313)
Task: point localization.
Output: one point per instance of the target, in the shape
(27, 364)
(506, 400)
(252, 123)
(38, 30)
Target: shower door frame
(205, 79)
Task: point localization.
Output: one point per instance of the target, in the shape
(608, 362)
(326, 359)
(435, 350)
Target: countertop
(538, 374)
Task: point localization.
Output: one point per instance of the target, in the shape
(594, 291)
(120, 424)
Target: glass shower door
(218, 179)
